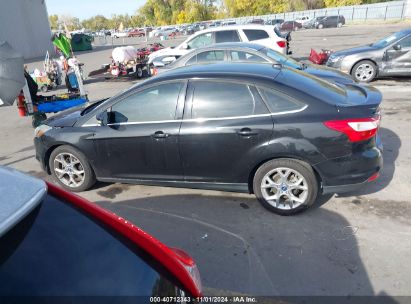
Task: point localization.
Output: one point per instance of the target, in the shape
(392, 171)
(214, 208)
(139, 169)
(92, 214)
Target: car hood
(165, 51)
(356, 50)
(66, 118)
(329, 74)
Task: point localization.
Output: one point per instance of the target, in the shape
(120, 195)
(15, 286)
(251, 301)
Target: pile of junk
(17, 84)
(127, 61)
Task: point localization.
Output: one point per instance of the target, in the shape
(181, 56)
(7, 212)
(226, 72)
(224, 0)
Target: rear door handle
(246, 132)
(160, 134)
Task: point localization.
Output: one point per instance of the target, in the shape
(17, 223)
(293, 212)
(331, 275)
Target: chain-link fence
(377, 11)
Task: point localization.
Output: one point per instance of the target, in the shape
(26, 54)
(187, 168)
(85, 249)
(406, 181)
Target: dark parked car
(313, 22)
(330, 21)
(390, 56)
(55, 243)
(256, 21)
(274, 21)
(252, 53)
(291, 26)
(277, 132)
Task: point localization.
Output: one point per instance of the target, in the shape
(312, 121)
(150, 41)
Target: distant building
(24, 24)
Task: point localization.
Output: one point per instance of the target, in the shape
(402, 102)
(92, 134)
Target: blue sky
(84, 9)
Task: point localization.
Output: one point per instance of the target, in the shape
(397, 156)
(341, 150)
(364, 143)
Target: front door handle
(160, 134)
(246, 132)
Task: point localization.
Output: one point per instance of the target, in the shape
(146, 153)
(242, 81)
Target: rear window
(256, 34)
(57, 250)
(226, 36)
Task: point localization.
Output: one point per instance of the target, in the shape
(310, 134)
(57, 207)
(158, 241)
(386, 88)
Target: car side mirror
(185, 46)
(103, 118)
(397, 47)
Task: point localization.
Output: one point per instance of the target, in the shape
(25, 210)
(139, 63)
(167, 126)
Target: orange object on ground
(21, 104)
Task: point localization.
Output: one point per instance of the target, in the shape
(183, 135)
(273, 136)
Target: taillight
(373, 177)
(356, 129)
(282, 43)
(191, 269)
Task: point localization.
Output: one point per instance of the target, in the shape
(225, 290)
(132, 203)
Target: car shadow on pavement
(242, 248)
(392, 145)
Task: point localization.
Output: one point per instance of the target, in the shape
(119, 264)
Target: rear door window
(212, 99)
(256, 34)
(226, 36)
(279, 102)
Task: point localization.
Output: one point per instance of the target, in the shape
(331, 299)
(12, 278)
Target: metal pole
(353, 10)
(402, 12)
(385, 15)
(366, 13)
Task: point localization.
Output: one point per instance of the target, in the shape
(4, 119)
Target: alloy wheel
(69, 170)
(364, 72)
(284, 188)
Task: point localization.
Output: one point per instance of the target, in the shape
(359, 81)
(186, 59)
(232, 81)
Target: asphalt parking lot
(352, 244)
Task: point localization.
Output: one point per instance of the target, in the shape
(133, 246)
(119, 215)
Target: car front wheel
(364, 71)
(71, 169)
(320, 26)
(285, 186)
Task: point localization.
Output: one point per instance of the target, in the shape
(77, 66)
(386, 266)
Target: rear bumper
(349, 173)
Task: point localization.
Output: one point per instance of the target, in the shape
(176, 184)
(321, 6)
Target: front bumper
(40, 152)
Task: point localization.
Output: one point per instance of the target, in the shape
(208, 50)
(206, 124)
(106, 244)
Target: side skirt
(229, 187)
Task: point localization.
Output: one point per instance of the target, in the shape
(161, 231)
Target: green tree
(54, 22)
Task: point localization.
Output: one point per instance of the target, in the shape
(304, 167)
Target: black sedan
(54, 243)
(251, 53)
(279, 133)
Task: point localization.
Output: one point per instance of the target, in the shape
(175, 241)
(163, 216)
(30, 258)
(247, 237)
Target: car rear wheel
(139, 72)
(285, 186)
(339, 24)
(320, 26)
(71, 169)
(364, 71)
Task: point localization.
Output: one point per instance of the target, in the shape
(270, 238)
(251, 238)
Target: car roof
(20, 194)
(406, 31)
(238, 27)
(232, 45)
(262, 70)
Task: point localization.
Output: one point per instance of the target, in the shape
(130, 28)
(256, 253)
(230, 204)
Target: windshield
(388, 40)
(283, 59)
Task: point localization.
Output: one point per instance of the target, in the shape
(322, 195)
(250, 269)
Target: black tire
(302, 168)
(89, 176)
(44, 88)
(320, 26)
(355, 74)
(339, 24)
(139, 73)
(37, 119)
